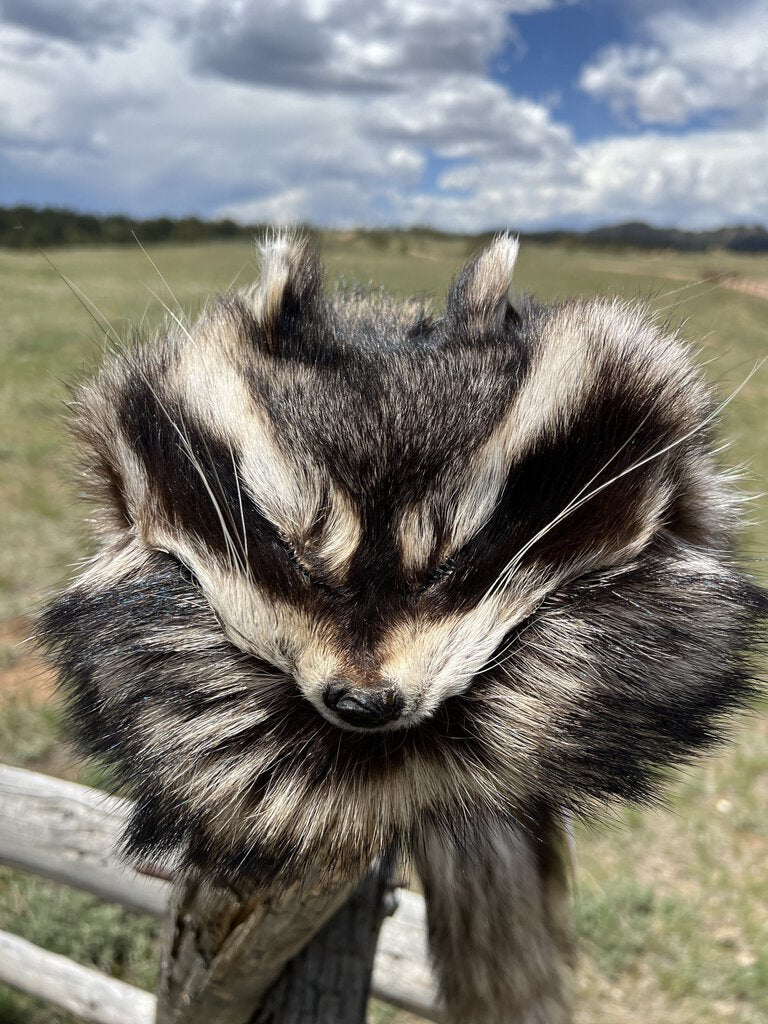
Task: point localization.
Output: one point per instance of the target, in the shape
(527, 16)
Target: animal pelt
(366, 573)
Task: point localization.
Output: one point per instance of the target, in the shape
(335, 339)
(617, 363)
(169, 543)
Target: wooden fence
(68, 833)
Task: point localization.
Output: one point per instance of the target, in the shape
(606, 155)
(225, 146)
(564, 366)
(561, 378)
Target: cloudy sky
(463, 114)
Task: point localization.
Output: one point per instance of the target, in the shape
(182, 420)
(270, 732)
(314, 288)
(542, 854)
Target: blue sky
(465, 114)
(546, 59)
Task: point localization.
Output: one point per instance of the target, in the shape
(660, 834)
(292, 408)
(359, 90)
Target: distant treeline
(635, 234)
(27, 227)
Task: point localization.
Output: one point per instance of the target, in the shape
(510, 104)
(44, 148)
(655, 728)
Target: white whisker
(688, 298)
(159, 274)
(88, 305)
(186, 447)
(232, 283)
(236, 472)
(574, 505)
(686, 287)
(170, 313)
(188, 451)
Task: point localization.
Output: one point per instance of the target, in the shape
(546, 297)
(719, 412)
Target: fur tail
(498, 931)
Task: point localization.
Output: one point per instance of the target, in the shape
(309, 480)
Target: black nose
(363, 707)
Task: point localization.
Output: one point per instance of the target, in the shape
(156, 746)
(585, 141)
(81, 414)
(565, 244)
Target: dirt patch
(746, 285)
(723, 278)
(22, 670)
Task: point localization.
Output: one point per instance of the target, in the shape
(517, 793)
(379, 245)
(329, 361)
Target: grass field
(672, 907)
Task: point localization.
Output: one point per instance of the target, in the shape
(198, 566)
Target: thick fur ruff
(509, 515)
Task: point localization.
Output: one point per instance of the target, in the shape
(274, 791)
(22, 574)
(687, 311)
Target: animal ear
(479, 301)
(289, 302)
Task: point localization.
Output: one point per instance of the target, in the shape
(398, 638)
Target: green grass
(80, 927)
(671, 906)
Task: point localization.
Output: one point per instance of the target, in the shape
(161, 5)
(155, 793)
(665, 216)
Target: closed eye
(443, 571)
(293, 556)
(300, 566)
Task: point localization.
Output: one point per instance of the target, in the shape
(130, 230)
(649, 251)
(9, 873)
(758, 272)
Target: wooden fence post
(304, 958)
(329, 980)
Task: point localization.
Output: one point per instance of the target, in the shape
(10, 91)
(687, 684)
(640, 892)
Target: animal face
(362, 565)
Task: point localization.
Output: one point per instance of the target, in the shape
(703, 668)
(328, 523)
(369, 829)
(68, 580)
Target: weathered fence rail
(77, 989)
(68, 833)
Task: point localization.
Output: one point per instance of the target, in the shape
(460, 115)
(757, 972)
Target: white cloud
(695, 62)
(357, 121)
(141, 125)
(466, 116)
(351, 44)
(81, 21)
(704, 180)
(134, 128)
